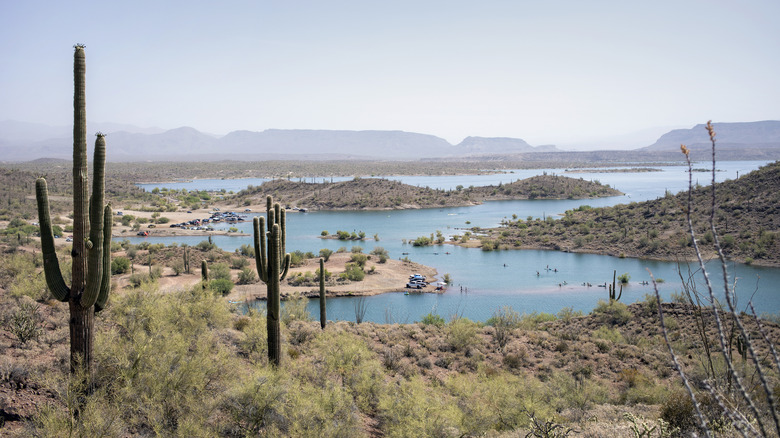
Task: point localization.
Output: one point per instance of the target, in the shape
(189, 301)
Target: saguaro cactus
(204, 273)
(323, 313)
(91, 253)
(272, 266)
(186, 256)
(612, 288)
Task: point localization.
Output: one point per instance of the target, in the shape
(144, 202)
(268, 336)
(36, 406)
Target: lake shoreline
(474, 243)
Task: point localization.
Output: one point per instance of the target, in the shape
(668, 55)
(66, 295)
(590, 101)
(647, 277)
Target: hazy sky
(566, 72)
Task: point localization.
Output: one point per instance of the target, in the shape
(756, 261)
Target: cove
(482, 284)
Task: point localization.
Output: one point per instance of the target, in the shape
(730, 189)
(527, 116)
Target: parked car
(416, 285)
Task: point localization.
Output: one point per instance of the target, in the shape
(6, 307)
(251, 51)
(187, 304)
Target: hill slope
(747, 219)
(382, 194)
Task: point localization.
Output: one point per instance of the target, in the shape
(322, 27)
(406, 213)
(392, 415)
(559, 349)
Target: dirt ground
(387, 277)
(391, 276)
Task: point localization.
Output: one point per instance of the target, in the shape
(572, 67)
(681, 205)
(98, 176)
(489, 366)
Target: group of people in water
(587, 284)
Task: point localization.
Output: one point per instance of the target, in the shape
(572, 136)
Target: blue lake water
(486, 281)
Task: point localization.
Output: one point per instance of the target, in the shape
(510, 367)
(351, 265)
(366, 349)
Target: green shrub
(140, 278)
(164, 383)
(347, 359)
(247, 276)
(120, 265)
(359, 259)
(433, 319)
(612, 312)
(462, 334)
(650, 305)
(24, 322)
(294, 309)
(205, 245)
(489, 245)
(178, 267)
(157, 272)
(251, 404)
(422, 241)
(568, 313)
(246, 250)
(380, 253)
(221, 286)
(297, 258)
(504, 321)
(24, 278)
(412, 410)
(238, 262)
(531, 321)
(219, 271)
(353, 273)
(325, 253)
(609, 334)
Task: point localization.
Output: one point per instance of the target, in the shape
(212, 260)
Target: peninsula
(746, 216)
(383, 194)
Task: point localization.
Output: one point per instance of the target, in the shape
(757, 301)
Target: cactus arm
(274, 266)
(614, 286)
(282, 215)
(80, 172)
(269, 206)
(51, 265)
(259, 237)
(95, 243)
(105, 283)
(273, 304)
(285, 266)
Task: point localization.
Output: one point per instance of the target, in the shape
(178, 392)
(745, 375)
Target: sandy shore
(387, 277)
(391, 276)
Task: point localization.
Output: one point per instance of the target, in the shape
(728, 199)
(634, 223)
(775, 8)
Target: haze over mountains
(760, 135)
(21, 141)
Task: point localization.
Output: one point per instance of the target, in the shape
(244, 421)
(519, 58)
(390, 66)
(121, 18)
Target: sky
(578, 74)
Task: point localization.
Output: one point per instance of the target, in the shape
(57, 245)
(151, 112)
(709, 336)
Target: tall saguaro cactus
(91, 253)
(272, 266)
(323, 312)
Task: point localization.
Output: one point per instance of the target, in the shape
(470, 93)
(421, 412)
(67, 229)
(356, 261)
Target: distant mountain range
(753, 135)
(22, 141)
(25, 141)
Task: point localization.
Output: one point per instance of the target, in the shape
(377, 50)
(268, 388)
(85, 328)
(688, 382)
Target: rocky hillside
(382, 194)
(747, 219)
